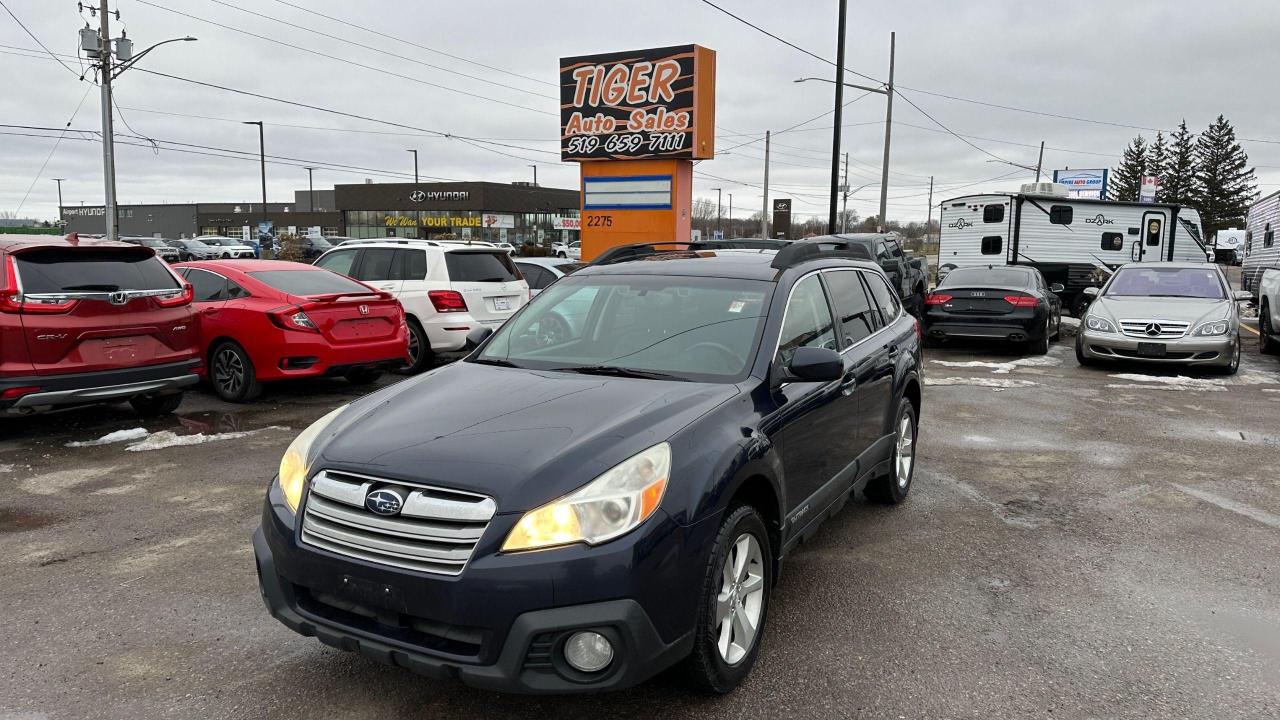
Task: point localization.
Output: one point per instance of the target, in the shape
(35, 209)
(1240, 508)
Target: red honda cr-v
(90, 321)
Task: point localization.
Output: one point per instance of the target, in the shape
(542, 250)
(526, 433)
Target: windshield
(311, 282)
(1167, 282)
(688, 328)
(1004, 277)
(480, 267)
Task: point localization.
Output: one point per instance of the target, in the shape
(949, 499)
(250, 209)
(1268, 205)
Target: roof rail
(419, 241)
(803, 250)
(623, 253)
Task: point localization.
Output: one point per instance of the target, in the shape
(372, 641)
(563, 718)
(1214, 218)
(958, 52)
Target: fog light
(588, 651)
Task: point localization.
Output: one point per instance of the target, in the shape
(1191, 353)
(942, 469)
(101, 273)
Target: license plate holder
(502, 303)
(369, 593)
(1147, 349)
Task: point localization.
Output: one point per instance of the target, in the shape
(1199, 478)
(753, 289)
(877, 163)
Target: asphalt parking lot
(1079, 543)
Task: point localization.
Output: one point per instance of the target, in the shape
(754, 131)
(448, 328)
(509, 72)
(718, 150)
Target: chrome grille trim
(1169, 329)
(436, 530)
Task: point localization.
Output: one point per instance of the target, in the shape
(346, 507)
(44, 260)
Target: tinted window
(537, 277)
(808, 321)
(480, 267)
(885, 298)
(234, 291)
(339, 262)
(1112, 241)
(309, 282)
(375, 264)
(992, 244)
(206, 286)
(567, 268)
(1061, 214)
(858, 319)
(993, 213)
(894, 250)
(92, 270)
(980, 277)
(413, 264)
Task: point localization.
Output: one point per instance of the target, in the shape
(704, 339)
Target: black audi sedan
(579, 510)
(996, 302)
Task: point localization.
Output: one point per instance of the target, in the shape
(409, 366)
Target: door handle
(209, 311)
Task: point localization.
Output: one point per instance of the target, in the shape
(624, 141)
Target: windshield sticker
(737, 305)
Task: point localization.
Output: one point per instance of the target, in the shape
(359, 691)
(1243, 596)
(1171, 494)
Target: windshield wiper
(496, 361)
(615, 371)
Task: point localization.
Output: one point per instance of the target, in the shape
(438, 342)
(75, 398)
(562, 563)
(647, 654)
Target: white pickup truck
(1269, 312)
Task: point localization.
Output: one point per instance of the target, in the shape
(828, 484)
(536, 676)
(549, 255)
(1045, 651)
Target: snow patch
(1174, 382)
(5, 469)
(1071, 322)
(168, 438)
(1002, 368)
(998, 383)
(114, 437)
(979, 439)
(1173, 388)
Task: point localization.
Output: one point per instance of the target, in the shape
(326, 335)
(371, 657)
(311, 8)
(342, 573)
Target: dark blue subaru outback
(608, 485)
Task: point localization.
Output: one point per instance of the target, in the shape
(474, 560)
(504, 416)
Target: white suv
(447, 288)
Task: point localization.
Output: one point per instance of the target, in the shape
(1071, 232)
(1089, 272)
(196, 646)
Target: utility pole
(835, 131)
(764, 216)
(311, 191)
(844, 188)
(59, 181)
(415, 165)
(929, 217)
(888, 128)
(262, 160)
(535, 175)
(730, 213)
(718, 197)
(1040, 161)
(108, 130)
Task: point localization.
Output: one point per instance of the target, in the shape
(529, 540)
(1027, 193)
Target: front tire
(734, 605)
(1267, 343)
(892, 488)
(232, 374)
(156, 405)
(1235, 361)
(1081, 358)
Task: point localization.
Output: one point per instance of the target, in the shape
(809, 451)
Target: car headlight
(611, 505)
(1216, 327)
(1093, 322)
(293, 466)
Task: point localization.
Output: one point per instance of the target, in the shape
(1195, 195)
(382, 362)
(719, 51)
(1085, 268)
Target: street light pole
(535, 175)
(311, 191)
(415, 165)
(59, 181)
(764, 214)
(262, 161)
(718, 198)
(835, 131)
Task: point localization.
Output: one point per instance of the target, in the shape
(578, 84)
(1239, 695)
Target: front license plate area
(373, 595)
(1152, 349)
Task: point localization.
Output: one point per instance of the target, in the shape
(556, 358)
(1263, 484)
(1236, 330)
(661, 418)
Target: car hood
(1190, 310)
(522, 437)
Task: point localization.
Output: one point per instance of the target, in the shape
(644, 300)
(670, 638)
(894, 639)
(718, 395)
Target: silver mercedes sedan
(1163, 312)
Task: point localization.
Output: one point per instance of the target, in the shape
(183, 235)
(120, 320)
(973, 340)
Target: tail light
(184, 298)
(292, 318)
(1022, 300)
(14, 393)
(446, 301)
(12, 301)
(937, 299)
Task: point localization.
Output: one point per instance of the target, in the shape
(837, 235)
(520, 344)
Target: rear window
(998, 277)
(92, 270)
(480, 267)
(309, 282)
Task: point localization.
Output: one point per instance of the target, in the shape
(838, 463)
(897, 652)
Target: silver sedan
(1183, 313)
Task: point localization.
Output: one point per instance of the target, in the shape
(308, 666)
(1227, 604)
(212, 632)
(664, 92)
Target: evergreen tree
(1126, 180)
(1225, 184)
(1179, 181)
(1158, 162)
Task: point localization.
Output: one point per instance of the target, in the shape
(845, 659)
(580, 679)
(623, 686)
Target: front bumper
(501, 623)
(97, 387)
(1215, 351)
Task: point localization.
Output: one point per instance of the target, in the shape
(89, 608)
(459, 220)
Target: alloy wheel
(413, 348)
(228, 371)
(906, 448)
(740, 604)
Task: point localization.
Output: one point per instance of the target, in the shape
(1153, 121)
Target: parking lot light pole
(262, 160)
(59, 181)
(535, 175)
(415, 165)
(718, 196)
(311, 191)
(730, 213)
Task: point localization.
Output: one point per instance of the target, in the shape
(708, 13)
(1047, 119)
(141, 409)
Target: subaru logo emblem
(364, 309)
(417, 196)
(385, 501)
(1154, 329)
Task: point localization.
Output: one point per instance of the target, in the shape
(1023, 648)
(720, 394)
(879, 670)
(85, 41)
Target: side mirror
(1090, 292)
(1243, 296)
(816, 364)
(1056, 288)
(477, 336)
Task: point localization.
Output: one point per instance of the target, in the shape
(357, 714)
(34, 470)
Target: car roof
(444, 245)
(1175, 265)
(23, 242)
(727, 263)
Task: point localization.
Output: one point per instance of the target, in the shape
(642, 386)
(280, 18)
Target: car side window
(339, 262)
(882, 252)
(205, 286)
(235, 292)
(808, 320)
(537, 277)
(894, 249)
(858, 318)
(884, 297)
(375, 264)
(413, 265)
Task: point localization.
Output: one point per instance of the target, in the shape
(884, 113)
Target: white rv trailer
(1260, 250)
(1073, 241)
(1228, 246)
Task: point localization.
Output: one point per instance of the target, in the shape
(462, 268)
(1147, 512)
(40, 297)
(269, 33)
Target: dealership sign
(564, 223)
(655, 103)
(1083, 183)
(499, 220)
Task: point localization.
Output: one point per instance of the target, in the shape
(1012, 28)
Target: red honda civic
(265, 320)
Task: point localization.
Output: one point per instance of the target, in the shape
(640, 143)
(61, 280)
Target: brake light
(292, 318)
(12, 301)
(188, 293)
(14, 393)
(1021, 300)
(937, 299)
(447, 301)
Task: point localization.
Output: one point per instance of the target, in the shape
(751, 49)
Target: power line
(54, 149)
(951, 132)
(33, 37)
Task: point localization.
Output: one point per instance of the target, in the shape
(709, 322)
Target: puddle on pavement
(13, 520)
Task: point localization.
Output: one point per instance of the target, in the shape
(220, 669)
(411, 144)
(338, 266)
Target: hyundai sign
(1083, 183)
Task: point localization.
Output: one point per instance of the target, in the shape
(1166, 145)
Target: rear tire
(892, 487)
(1041, 346)
(363, 376)
(156, 405)
(420, 354)
(1267, 343)
(232, 374)
(738, 581)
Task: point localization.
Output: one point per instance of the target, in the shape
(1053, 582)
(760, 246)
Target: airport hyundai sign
(1083, 183)
(655, 103)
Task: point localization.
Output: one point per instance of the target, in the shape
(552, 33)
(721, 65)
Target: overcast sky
(1146, 64)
